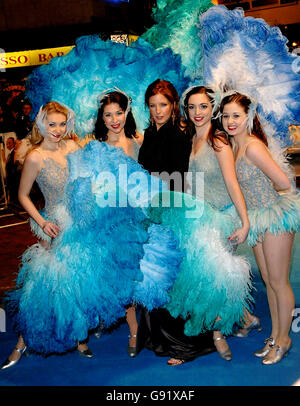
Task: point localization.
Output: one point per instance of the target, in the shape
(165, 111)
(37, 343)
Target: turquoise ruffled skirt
(213, 281)
(282, 216)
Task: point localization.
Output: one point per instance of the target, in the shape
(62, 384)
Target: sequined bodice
(257, 188)
(215, 191)
(51, 180)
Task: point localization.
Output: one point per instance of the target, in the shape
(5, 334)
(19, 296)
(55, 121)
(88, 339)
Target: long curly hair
(215, 130)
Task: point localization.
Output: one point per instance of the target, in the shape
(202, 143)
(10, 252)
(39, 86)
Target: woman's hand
(50, 229)
(240, 235)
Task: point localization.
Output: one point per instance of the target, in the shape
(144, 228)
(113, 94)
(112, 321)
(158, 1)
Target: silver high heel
(267, 348)
(8, 363)
(254, 325)
(225, 355)
(86, 353)
(98, 331)
(131, 351)
(279, 354)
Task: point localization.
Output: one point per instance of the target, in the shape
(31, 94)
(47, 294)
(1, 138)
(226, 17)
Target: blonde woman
(46, 163)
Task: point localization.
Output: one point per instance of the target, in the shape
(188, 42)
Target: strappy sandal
(177, 362)
(225, 355)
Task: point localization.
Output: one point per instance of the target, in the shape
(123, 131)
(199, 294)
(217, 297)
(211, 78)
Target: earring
(173, 116)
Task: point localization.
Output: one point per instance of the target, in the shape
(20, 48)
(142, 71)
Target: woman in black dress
(165, 152)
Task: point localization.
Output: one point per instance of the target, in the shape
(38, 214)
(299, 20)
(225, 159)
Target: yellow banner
(132, 38)
(38, 56)
(31, 58)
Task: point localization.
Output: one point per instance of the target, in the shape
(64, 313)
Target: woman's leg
(133, 326)
(261, 262)
(16, 355)
(221, 344)
(277, 253)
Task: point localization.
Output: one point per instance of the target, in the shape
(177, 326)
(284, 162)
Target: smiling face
(56, 126)
(234, 119)
(160, 108)
(10, 143)
(114, 118)
(199, 109)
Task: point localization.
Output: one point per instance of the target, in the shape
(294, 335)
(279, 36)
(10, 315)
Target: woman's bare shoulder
(34, 156)
(139, 138)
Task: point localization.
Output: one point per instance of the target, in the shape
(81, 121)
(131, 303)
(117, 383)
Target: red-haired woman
(166, 148)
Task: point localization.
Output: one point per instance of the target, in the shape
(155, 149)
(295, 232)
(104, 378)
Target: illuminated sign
(30, 58)
(43, 56)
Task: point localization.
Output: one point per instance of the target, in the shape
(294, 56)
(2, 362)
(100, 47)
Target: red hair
(168, 90)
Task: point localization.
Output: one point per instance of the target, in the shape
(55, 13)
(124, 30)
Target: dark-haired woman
(213, 157)
(116, 126)
(274, 213)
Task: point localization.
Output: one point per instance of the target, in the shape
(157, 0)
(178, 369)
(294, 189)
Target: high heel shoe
(85, 353)
(245, 331)
(131, 351)
(280, 352)
(267, 348)
(8, 363)
(98, 331)
(226, 355)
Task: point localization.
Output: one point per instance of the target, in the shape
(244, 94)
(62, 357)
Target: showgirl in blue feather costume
(274, 213)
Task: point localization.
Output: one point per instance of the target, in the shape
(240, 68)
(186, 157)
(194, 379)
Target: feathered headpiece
(106, 93)
(42, 115)
(247, 56)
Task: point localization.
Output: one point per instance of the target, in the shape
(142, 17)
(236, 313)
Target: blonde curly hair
(52, 107)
